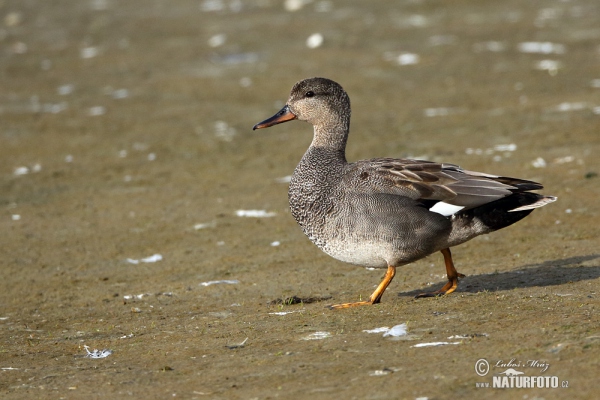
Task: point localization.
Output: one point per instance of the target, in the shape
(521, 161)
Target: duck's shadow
(547, 273)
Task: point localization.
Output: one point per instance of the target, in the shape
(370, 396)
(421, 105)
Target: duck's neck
(332, 137)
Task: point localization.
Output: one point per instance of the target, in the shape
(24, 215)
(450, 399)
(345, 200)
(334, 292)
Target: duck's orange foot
(447, 289)
(452, 275)
(375, 297)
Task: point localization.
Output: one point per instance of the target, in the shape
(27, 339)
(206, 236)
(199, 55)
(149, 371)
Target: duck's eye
(310, 93)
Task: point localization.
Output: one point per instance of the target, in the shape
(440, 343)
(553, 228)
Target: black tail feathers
(506, 211)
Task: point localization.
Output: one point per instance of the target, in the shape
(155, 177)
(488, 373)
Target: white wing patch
(445, 209)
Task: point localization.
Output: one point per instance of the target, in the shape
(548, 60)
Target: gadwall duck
(386, 212)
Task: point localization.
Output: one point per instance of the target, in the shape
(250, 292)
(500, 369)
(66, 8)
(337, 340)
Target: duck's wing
(434, 182)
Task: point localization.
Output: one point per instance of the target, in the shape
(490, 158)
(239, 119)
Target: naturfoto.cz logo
(513, 378)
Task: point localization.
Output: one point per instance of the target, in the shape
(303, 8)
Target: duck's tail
(495, 215)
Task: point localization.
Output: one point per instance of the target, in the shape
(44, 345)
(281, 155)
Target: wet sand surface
(126, 152)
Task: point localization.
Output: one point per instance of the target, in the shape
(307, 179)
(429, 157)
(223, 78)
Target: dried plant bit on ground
(317, 336)
(255, 213)
(433, 344)
(238, 345)
(468, 336)
(97, 353)
(151, 259)
(298, 300)
(286, 312)
(224, 281)
(377, 330)
(384, 371)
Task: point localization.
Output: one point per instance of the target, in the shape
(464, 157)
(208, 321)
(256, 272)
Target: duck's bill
(282, 116)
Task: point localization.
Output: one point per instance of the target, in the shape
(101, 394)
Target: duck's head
(319, 101)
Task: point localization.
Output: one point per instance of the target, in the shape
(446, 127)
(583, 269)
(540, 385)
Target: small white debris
(315, 40)
(223, 131)
(15, 217)
(408, 59)
(493, 46)
(568, 211)
(225, 281)
(552, 66)
(151, 157)
(19, 48)
(126, 336)
(212, 5)
(135, 296)
(440, 40)
(380, 372)
(13, 18)
(245, 82)
(285, 312)
(68, 158)
(564, 160)
(432, 344)
(151, 259)
(566, 106)
(237, 345)
(9, 369)
(295, 5)
(89, 52)
(442, 111)
(205, 225)
(120, 94)
(595, 83)
(21, 171)
(538, 163)
(255, 213)
(284, 179)
(384, 371)
(36, 168)
(275, 243)
(541, 48)
(96, 111)
(65, 89)
(317, 336)
(505, 147)
(377, 330)
(97, 353)
(122, 153)
(396, 331)
(324, 6)
(217, 40)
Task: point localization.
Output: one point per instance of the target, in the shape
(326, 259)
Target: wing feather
(433, 182)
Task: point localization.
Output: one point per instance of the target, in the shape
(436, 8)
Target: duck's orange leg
(376, 296)
(452, 278)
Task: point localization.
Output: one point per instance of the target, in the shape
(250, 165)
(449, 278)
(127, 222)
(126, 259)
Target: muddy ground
(125, 132)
